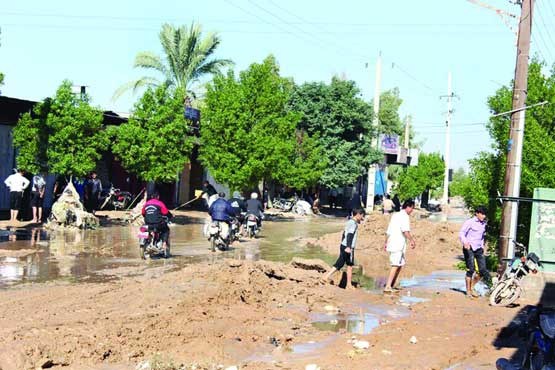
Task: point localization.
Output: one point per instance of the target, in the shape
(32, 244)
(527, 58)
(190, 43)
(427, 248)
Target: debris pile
(68, 211)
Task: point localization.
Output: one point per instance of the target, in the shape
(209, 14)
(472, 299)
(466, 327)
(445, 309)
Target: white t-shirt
(16, 182)
(398, 224)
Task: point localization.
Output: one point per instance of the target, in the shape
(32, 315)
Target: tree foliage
(429, 173)
(342, 123)
(157, 140)
(64, 135)
(248, 134)
(188, 56)
(538, 168)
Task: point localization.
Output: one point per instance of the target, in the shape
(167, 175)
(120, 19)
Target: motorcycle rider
(239, 206)
(209, 193)
(254, 207)
(156, 215)
(221, 211)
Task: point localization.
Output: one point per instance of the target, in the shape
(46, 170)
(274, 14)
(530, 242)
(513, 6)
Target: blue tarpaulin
(380, 186)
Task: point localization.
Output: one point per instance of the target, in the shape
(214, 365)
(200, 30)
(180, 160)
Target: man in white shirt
(17, 184)
(398, 232)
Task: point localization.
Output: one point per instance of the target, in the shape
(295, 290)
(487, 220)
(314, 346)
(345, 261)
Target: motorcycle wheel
(505, 293)
(213, 244)
(252, 233)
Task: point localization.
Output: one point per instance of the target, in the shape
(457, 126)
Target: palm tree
(188, 57)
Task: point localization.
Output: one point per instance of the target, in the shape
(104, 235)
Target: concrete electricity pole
(374, 143)
(516, 134)
(447, 155)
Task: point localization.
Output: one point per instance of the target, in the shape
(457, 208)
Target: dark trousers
(469, 256)
(344, 258)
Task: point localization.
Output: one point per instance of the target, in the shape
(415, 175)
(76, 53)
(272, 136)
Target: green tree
(157, 140)
(538, 169)
(458, 183)
(342, 122)
(428, 175)
(248, 134)
(188, 56)
(71, 129)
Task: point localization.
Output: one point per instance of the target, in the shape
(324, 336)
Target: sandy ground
(253, 315)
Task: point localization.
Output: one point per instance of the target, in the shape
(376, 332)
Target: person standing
(17, 183)
(37, 197)
(347, 247)
(387, 205)
(333, 198)
(472, 236)
(398, 232)
(92, 192)
(396, 203)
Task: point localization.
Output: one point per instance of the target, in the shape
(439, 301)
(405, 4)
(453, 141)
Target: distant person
(17, 183)
(387, 205)
(396, 203)
(472, 236)
(37, 197)
(316, 204)
(265, 198)
(333, 198)
(397, 235)
(93, 189)
(209, 193)
(254, 207)
(59, 186)
(347, 247)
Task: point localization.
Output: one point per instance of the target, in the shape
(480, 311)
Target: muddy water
(34, 255)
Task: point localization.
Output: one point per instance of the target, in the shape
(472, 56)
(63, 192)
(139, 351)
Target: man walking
(93, 189)
(347, 247)
(398, 232)
(472, 236)
(16, 183)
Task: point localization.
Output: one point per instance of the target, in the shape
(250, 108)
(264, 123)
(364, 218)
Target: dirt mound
(184, 314)
(437, 245)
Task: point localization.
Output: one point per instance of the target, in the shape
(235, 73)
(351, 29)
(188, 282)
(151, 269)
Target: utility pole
(407, 133)
(446, 158)
(516, 134)
(374, 143)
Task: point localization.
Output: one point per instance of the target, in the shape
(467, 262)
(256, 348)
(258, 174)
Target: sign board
(389, 144)
(542, 228)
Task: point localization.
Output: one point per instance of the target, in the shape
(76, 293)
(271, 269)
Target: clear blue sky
(94, 44)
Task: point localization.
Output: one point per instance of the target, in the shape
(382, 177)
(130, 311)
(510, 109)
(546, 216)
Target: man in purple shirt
(472, 237)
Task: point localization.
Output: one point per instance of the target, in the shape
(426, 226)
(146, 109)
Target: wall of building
(7, 163)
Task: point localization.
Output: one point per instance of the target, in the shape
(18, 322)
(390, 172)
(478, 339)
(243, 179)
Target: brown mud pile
(192, 315)
(437, 246)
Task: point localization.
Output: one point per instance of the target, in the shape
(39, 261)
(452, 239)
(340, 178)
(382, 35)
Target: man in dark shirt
(254, 207)
(156, 214)
(221, 210)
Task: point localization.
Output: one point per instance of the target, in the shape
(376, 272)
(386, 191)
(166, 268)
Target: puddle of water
(367, 318)
(38, 256)
(439, 280)
(412, 300)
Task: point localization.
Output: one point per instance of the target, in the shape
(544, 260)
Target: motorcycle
(252, 225)
(216, 235)
(151, 244)
(540, 347)
(235, 230)
(283, 204)
(116, 199)
(508, 289)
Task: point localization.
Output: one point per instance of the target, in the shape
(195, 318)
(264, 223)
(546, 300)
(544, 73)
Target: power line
(540, 16)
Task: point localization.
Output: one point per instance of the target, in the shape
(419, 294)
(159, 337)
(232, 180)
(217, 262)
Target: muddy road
(84, 300)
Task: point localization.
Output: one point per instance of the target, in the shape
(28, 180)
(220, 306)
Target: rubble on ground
(68, 211)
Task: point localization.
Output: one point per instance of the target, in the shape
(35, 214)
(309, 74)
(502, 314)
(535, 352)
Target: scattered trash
(413, 340)
(312, 367)
(386, 352)
(331, 308)
(361, 344)
(232, 368)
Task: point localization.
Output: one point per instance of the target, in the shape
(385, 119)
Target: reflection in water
(34, 255)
